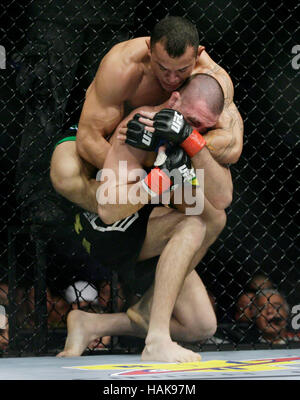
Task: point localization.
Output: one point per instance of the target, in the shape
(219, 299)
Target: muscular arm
(225, 142)
(103, 108)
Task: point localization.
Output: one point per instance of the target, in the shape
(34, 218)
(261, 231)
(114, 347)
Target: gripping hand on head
(138, 136)
(170, 125)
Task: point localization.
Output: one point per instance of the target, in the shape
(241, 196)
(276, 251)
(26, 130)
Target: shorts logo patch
(121, 225)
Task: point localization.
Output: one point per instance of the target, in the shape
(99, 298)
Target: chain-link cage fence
(49, 53)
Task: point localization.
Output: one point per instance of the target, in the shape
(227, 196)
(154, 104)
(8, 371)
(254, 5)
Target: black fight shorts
(116, 246)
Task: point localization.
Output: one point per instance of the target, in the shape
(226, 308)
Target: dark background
(253, 41)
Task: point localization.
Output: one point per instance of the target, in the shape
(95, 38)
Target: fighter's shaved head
(207, 88)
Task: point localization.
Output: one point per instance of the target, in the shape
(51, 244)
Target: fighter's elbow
(82, 144)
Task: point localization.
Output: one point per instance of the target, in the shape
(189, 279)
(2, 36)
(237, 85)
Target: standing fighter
(138, 72)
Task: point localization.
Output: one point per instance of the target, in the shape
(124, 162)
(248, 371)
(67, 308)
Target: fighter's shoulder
(127, 55)
(230, 117)
(123, 65)
(208, 66)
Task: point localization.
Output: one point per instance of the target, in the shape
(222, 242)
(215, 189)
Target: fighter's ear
(174, 100)
(200, 49)
(148, 44)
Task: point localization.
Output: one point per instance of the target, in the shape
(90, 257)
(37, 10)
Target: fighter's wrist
(156, 182)
(193, 143)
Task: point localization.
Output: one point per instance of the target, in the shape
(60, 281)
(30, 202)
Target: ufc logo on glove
(147, 137)
(186, 173)
(177, 122)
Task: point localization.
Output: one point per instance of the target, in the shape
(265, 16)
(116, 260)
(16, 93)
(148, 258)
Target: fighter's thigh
(193, 307)
(161, 224)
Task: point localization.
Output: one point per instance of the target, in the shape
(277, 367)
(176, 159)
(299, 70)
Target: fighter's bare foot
(81, 332)
(168, 351)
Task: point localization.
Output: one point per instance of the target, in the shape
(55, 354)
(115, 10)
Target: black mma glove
(172, 169)
(170, 125)
(137, 135)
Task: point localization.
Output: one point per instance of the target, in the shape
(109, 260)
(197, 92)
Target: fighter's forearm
(93, 151)
(226, 143)
(217, 179)
(222, 146)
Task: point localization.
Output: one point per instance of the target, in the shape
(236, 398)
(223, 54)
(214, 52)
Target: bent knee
(220, 221)
(217, 223)
(208, 330)
(203, 330)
